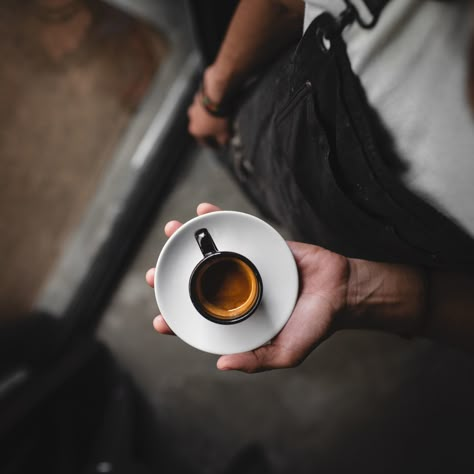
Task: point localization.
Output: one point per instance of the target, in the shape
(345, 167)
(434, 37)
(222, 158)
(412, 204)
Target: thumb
(270, 356)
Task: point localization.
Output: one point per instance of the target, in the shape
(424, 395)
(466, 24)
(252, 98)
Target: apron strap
(351, 14)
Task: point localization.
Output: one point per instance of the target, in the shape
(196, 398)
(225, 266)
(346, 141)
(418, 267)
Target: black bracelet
(215, 109)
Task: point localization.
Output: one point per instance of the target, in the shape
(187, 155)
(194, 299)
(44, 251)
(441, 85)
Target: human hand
(323, 289)
(204, 127)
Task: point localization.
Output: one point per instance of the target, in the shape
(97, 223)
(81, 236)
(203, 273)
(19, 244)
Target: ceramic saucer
(235, 232)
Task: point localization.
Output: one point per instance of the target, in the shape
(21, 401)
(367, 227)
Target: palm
(323, 288)
(323, 284)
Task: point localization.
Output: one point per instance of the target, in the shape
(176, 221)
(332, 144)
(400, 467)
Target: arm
(452, 309)
(408, 300)
(343, 293)
(258, 31)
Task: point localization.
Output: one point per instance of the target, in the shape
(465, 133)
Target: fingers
(204, 127)
(206, 208)
(223, 138)
(160, 326)
(150, 277)
(158, 323)
(267, 357)
(171, 227)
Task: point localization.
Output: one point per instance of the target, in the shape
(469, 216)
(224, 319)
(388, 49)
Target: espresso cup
(225, 287)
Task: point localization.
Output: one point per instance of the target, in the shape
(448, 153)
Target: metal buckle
(351, 14)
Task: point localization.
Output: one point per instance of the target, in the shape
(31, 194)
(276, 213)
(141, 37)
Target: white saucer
(235, 232)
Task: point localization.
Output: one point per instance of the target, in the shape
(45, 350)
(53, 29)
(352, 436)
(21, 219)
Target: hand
(323, 288)
(204, 127)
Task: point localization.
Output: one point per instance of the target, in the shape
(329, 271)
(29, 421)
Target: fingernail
(224, 367)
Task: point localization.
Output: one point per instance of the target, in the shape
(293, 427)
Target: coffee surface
(226, 287)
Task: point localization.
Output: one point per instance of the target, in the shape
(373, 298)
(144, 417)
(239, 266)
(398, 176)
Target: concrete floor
(362, 402)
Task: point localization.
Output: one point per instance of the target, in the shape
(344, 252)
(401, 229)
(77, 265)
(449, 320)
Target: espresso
(226, 287)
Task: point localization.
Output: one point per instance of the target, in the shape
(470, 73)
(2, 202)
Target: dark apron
(314, 156)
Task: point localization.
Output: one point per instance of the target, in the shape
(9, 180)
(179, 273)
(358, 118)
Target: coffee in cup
(225, 287)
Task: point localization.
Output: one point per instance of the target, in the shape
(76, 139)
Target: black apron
(314, 156)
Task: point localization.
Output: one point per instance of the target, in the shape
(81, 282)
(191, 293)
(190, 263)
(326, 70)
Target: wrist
(216, 95)
(217, 84)
(388, 297)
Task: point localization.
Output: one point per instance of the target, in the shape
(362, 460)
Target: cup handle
(205, 242)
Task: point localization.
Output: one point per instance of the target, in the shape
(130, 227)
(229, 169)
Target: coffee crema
(226, 287)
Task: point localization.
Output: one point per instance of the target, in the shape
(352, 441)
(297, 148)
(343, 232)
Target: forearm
(388, 297)
(259, 30)
(451, 309)
(408, 300)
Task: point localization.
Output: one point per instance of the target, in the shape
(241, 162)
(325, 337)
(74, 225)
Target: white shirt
(413, 66)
